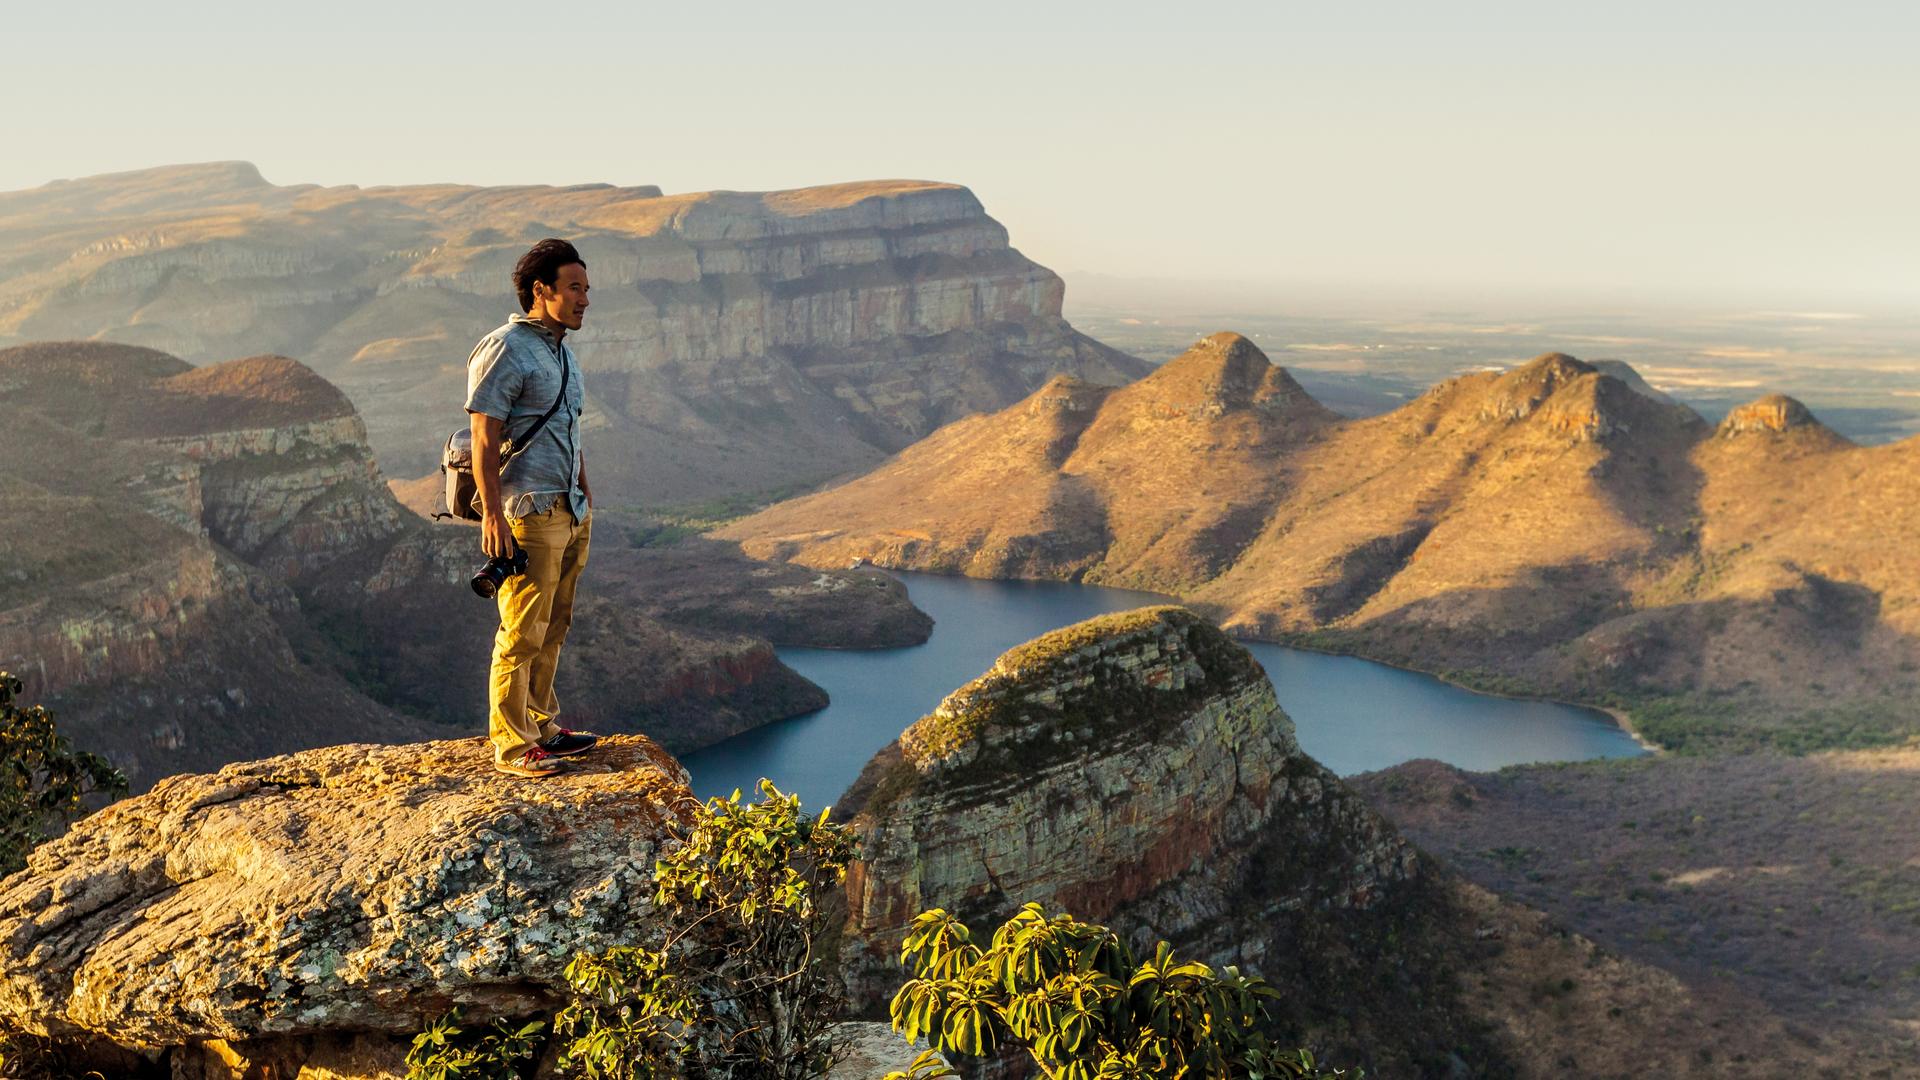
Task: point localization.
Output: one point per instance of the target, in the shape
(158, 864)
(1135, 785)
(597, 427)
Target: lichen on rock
(346, 891)
(1095, 678)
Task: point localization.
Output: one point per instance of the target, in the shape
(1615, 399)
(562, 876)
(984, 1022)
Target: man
(541, 503)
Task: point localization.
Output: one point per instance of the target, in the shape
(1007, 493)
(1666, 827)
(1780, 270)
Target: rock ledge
(350, 889)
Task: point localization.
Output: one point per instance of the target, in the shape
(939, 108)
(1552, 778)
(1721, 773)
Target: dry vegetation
(1792, 881)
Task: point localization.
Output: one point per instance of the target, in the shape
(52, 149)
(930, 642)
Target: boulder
(304, 912)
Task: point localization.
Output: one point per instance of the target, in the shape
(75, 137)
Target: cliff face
(1135, 770)
(205, 565)
(1552, 528)
(736, 340)
(1126, 765)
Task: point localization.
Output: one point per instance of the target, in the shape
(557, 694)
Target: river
(1353, 715)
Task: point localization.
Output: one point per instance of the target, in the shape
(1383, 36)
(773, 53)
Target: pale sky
(1759, 150)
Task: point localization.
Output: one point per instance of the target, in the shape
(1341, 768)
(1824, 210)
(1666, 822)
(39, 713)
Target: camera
(498, 570)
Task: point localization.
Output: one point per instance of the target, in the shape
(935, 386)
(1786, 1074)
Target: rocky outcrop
(1516, 394)
(736, 341)
(353, 891)
(1775, 413)
(1779, 426)
(1134, 770)
(304, 916)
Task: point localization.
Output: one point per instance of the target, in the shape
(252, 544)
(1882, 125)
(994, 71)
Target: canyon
(306, 913)
(736, 342)
(204, 565)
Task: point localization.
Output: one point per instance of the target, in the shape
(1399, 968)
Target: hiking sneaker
(535, 763)
(565, 743)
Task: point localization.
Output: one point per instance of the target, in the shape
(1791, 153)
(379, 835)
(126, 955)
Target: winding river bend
(1353, 715)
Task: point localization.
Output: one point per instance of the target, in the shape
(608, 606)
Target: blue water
(1353, 715)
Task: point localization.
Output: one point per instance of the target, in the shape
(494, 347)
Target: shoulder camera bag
(456, 459)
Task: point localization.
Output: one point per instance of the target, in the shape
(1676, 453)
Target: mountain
(737, 341)
(203, 565)
(1549, 529)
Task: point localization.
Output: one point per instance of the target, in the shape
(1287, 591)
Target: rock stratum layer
(737, 341)
(1548, 529)
(1133, 768)
(203, 565)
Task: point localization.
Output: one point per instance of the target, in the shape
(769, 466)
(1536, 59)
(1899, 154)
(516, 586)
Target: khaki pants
(536, 608)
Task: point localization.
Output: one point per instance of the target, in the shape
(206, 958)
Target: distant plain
(1858, 370)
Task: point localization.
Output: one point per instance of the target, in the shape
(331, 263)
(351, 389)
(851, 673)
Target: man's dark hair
(542, 264)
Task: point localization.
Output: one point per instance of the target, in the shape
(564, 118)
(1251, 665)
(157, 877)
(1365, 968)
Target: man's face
(566, 302)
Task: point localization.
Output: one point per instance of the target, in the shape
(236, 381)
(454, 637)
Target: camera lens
(487, 582)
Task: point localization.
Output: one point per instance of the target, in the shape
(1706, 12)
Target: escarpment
(205, 565)
(736, 341)
(1558, 528)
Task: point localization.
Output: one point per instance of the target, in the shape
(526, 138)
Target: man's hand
(496, 536)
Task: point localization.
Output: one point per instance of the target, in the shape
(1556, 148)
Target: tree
(1074, 997)
(44, 782)
(736, 988)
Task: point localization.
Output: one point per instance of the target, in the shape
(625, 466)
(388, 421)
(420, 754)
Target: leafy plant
(736, 988)
(44, 782)
(1073, 996)
(447, 1051)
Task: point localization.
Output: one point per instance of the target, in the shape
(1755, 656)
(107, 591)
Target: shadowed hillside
(1775, 877)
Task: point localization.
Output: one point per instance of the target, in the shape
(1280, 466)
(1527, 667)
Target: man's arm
(585, 488)
(496, 536)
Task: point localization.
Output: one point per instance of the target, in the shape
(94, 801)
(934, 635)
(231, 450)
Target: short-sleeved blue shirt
(514, 376)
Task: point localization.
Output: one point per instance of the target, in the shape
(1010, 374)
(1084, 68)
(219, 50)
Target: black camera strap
(513, 447)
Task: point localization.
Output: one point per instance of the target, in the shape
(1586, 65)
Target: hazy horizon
(1638, 156)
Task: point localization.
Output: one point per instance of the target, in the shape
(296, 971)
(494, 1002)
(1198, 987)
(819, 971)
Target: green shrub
(447, 1051)
(738, 986)
(44, 782)
(1072, 995)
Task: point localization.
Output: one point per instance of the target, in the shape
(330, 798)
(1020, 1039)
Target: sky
(1764, 151)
